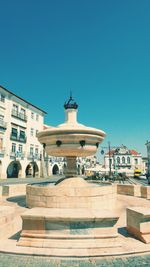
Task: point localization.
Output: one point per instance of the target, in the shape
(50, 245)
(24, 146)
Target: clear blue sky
(98, 48)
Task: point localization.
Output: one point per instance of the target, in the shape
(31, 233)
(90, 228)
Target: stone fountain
(72, 217)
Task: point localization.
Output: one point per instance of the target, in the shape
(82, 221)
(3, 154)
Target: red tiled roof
(45, 127)
(133, 152)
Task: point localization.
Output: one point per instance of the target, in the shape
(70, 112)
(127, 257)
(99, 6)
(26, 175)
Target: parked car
(137, 173)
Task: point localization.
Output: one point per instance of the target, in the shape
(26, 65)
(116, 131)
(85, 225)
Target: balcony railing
(2, 152)
(17, 155)
(123, 164)
(18, 138)
(33, 156)
(3, 124)
(19, 115)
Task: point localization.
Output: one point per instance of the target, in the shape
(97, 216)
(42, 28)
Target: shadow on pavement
(123, 231)
(16, 236)
(20, 200)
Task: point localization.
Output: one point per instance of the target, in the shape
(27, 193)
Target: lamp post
(109, 148)
(148, 157)
(44, 161)
(109, 159)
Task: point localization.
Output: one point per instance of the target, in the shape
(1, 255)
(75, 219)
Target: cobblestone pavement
(52, 178)
(34, 261)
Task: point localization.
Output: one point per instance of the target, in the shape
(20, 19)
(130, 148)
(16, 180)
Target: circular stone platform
(129, 245)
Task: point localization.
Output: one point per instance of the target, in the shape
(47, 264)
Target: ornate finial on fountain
(70, 104)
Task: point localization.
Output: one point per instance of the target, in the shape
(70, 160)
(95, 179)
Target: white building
(56, 165)
(123, 159)
(148, 157)
(145, 165)
(20, 151)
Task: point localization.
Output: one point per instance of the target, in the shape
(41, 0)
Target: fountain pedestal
(71, 170)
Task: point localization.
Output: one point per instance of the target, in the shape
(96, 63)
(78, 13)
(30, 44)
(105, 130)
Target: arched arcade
(32, 169)
(14, 169)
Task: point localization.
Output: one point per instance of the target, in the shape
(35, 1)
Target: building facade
(57, 165)
(21, 154)
(148, 157)
(123, 159)
(20, 150)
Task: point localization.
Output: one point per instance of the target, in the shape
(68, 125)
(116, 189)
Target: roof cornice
(22, 99)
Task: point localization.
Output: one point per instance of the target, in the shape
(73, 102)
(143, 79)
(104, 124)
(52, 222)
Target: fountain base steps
(73, 229)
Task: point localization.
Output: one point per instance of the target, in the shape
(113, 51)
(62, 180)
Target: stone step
(72, 237)
(69, 244)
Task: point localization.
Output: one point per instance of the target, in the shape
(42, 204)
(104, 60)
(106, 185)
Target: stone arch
(32, 169)
(14, 169)
(55, 169)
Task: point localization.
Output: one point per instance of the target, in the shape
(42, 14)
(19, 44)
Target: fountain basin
(71, 193)
(71, 141)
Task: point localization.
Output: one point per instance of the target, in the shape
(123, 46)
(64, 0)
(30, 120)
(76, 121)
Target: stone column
(71, 169)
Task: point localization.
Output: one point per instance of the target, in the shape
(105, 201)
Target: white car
(142, 176)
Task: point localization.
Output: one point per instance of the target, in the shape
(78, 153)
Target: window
(136, 161)
(31, 149)
(1, 118)
(13, 148)
(31, 131)
(22, 113)
(123, 160)
(2, 98)
(37, 117)
(36, 150)
(15, 108)
(32, 115)
(14, 133)
(36, 132)
(20, 148)
(128, 160)
(22, 135)
(1, 143)
(118, 160)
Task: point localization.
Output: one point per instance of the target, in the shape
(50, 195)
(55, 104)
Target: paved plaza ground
(52, 178)
(7, 260)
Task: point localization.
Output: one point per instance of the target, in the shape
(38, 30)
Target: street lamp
(148, 157)
(109, 155)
